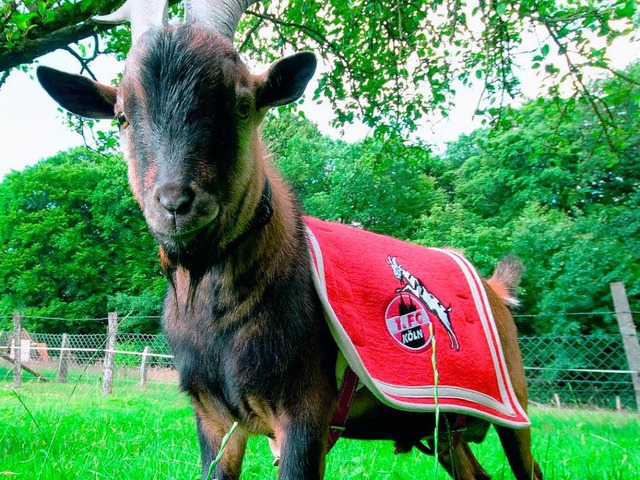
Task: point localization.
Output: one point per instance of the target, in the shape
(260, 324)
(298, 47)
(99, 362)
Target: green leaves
(549, 188)
(71, 238)
(545, 50)
(379, 183)
(387, 65)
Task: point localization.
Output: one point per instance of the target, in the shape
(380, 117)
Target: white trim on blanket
(489, 323)
(444, 392)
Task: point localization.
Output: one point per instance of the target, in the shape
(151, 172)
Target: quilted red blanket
(397, 309)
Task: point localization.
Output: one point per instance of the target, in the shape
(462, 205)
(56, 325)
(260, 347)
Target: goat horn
(222, 15)
(143, 14)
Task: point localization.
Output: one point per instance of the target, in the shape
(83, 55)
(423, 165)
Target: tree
(547, 187)
(387, 63)
(382, 186)
(543, 185)
(379, 184)
(302, 153)
(73, 244)
(34, 28)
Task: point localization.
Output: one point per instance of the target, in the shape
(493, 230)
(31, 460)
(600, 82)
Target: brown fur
(215, 426)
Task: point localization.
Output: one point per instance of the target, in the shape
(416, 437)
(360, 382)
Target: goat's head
(189, 112)
(397, 268)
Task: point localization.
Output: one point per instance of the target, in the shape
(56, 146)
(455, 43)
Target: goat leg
(303, 451)
(210, 435)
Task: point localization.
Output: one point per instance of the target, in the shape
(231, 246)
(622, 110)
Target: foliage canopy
(557, 183)
(73, 243)
(388, 64)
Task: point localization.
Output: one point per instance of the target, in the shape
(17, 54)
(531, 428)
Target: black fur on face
(183, 140)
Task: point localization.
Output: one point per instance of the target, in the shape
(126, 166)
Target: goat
(233, 244)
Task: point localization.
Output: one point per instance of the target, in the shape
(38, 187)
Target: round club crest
(408, 322)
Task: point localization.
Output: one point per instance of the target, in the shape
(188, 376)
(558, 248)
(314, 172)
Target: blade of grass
(434, 366)
(625, 450)
(35, 422)
(223, 445)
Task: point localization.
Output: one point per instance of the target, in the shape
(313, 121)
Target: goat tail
(506, 278)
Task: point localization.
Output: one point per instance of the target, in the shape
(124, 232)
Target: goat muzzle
(178, 213)
(174, 198)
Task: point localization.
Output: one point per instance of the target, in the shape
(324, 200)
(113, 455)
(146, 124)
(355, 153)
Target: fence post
(17, 351)
(143, 366)
(63, 364)
(109, 356)
(629, 335)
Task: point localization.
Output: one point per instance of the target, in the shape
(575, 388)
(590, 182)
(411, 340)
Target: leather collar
(261, 216)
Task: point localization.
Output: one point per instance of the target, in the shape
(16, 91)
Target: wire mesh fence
(583, 371)
(578, 370)
(42, 353)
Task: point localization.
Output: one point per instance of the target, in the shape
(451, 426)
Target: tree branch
(247, 37)
(574, 71)
(53, 41)
(314, 34)
(70, 25)
(84, 62)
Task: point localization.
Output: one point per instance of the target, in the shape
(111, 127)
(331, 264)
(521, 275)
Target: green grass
(56, 432)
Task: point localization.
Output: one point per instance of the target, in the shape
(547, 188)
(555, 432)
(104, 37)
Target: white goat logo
(413, 285)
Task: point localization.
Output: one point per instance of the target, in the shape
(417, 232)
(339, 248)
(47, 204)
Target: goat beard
(197, 254)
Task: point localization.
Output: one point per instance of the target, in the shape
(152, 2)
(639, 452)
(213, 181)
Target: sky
(31, 128)
(30, 125)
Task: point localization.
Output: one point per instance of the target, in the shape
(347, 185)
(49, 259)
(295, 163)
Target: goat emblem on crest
(413, 285)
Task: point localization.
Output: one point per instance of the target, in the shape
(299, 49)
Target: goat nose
(175, 199)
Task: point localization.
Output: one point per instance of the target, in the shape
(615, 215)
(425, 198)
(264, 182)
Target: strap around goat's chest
(347, 391)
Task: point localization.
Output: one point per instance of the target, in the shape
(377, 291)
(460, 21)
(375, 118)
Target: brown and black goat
(233, 244)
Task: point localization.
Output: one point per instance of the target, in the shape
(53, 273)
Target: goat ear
(78, 94)
(286, 80)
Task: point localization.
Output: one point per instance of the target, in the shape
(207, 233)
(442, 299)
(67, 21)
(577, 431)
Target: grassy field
(56, 432)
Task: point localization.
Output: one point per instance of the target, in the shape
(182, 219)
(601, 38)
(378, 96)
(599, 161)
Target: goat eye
(122, 120)
(244, 110)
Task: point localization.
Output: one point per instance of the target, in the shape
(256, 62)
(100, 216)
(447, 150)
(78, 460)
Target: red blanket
(391, 304)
